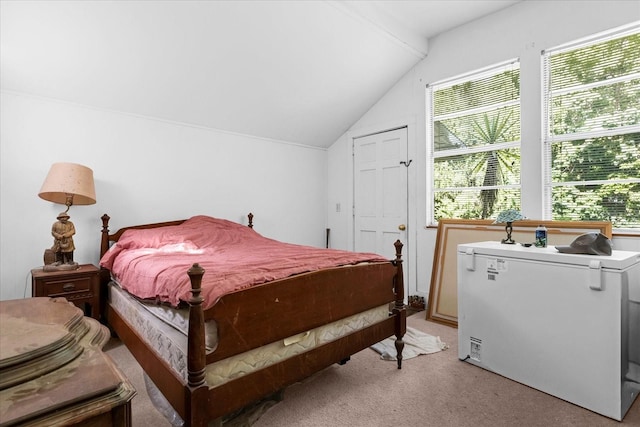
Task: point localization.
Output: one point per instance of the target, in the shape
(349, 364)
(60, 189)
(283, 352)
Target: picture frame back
(442, 306)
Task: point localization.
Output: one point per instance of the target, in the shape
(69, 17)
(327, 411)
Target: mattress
(169, 340)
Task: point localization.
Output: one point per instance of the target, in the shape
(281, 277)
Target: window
(592, 130)
(474, 155)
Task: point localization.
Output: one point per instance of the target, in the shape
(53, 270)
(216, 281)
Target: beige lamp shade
(69, 184)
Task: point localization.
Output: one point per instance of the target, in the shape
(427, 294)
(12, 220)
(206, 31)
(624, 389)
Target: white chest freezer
(565, 324)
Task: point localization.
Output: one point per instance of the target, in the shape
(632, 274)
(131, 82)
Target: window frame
(548, 138)
(432, 154)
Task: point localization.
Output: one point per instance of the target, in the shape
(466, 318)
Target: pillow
(197, 232)
(151, 237)
(209, 232)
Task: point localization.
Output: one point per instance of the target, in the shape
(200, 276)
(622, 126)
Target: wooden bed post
(398, 308)
(105, 276)
(104, 242)
(196, 351)
(197, 397)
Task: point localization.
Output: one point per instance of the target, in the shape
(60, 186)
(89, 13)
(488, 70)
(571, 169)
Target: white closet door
(380, 193)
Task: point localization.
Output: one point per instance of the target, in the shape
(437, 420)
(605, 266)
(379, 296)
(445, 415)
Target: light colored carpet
(434, 390)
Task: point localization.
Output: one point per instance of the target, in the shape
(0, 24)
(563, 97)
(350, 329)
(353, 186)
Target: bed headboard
(107, 239)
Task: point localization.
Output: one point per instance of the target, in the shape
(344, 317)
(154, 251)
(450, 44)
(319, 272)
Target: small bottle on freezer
(541, 236)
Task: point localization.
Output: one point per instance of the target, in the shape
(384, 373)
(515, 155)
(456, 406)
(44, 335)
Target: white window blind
(592, 130)
(474, 150)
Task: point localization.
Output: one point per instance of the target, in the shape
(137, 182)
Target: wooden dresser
(53, 370)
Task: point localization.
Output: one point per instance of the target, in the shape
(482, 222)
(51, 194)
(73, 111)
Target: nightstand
(80, 286)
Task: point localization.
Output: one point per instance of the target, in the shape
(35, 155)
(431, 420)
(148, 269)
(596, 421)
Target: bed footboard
(263, 314)
(243, 329)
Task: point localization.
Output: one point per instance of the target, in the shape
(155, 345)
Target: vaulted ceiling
(297, 71)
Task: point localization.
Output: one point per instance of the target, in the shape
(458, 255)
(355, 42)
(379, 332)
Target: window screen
(592, 130)
(474, 154)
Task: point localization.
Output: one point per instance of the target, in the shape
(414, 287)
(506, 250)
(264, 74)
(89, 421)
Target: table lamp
(508, 217)
(67, 184)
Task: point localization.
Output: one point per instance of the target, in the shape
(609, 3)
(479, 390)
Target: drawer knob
(68, 287)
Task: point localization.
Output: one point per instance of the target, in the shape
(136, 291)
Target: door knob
(402, 227)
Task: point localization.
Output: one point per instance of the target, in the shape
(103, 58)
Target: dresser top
(36, 326)
(51, 363)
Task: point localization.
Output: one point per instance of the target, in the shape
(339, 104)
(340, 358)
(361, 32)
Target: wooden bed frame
(259, 315)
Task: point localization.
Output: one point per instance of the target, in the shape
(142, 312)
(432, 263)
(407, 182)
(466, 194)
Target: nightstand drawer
(54, 287)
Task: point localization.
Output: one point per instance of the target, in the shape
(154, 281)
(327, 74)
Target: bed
(247, 341)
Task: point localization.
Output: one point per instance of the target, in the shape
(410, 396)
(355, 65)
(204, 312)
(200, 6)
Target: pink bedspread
(153, 263)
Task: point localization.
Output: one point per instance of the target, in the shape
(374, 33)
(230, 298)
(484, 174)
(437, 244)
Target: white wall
(521, 31)
(145, 170)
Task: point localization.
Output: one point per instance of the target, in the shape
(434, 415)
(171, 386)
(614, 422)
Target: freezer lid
(618, 260)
